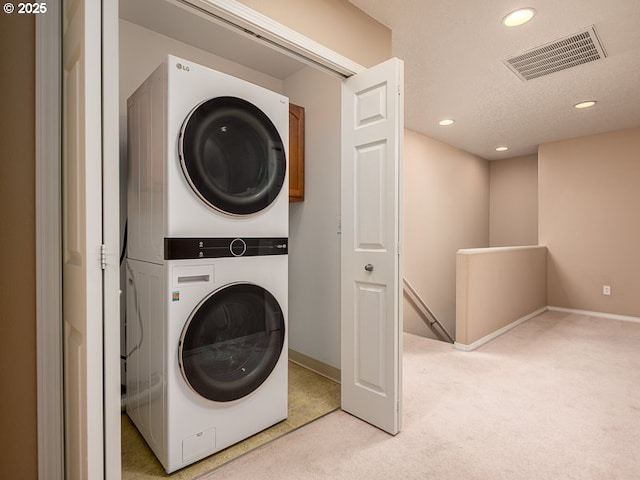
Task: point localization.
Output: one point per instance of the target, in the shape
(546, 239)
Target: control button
(237, 247)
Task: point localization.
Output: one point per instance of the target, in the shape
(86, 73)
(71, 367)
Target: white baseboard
(493, 335)
(610, 316)
(478, 343)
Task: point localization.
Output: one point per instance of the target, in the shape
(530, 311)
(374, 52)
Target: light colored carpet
(310, 396)
(558, 397)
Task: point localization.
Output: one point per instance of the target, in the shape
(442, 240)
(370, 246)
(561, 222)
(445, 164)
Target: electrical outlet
(606, 289)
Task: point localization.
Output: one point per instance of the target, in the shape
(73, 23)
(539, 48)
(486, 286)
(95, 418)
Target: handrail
(425, 311)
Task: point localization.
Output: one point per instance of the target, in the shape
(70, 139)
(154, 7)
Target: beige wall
(513, 210)
(589, 220)
(497, 287)
(446, 208)
(336, 24)
(18, 440)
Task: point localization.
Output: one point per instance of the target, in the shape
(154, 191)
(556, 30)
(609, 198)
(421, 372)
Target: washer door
(232, 342)
(232, 155)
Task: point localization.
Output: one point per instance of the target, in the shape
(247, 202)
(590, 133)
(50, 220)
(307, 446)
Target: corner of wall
(462, 298)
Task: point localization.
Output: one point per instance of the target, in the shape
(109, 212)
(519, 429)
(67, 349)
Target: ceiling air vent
(570, 51)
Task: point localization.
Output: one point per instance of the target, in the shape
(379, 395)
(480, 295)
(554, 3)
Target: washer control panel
(194, 248)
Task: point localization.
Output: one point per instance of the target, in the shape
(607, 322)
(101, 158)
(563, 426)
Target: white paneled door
(372, 125)
(82, 238)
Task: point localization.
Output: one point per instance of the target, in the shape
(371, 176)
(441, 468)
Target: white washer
(207, 348)
(207, 158)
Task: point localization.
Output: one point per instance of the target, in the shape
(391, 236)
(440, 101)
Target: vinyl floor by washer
(311, 396)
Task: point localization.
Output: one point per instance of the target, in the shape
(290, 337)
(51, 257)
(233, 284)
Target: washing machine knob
(238, 247)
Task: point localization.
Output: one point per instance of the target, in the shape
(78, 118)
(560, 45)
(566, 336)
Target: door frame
(230, 13)
(237, 16)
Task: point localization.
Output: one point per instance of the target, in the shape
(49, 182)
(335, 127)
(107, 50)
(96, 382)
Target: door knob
(368, 267)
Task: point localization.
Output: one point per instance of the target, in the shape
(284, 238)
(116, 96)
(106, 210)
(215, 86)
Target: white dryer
(207, 158)
(207, 348)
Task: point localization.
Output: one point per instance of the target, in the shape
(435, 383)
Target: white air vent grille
(567, 52)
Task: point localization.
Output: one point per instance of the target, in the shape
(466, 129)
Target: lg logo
(182, 67)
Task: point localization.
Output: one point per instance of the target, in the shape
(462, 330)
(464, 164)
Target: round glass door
(232, 342)
(232, 155)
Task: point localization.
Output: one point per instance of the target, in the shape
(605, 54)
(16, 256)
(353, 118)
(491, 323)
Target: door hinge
(103, 256)
(398, 249)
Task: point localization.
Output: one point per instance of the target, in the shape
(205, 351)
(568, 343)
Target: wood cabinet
(296, 153)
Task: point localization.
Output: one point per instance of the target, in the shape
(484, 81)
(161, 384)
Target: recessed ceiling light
(518, 17)
(502, 149)
(587, 104)
(446, 121)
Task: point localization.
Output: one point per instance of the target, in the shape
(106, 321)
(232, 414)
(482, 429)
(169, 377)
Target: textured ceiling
(453, 52)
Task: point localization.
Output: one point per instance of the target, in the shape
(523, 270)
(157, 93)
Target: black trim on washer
(199, 247)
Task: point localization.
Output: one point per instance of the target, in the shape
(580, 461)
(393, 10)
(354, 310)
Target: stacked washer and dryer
(207, 266)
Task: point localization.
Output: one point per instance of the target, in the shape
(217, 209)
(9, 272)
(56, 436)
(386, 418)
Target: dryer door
(232, 155)
(232, 342)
